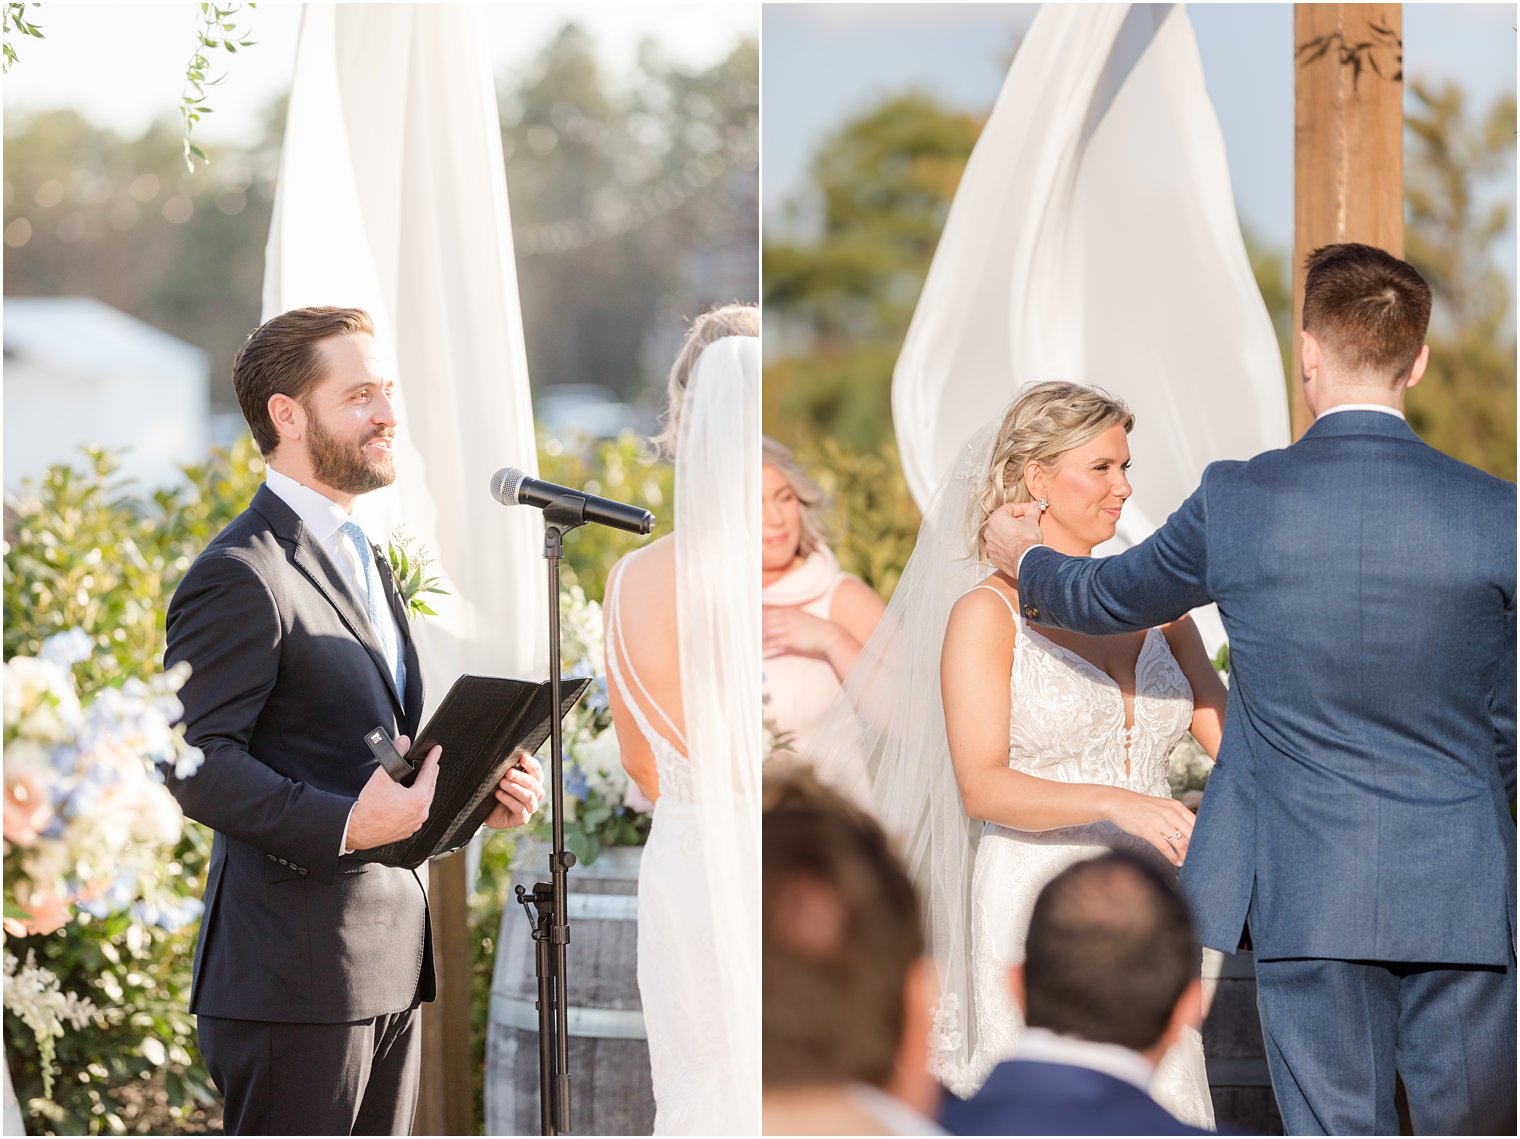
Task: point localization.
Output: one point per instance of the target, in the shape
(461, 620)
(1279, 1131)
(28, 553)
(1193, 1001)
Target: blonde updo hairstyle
(714, 324)
(811, 500)
(1045, 422)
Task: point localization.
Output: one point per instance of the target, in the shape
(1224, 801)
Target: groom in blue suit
(1359, 819)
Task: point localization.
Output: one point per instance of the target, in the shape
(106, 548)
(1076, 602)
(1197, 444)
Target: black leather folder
(482, 723)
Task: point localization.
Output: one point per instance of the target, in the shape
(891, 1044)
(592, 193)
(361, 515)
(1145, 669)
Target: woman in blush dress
(683, 652)
(816, 617)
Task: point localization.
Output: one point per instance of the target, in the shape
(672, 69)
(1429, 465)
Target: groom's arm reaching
(1151, 584)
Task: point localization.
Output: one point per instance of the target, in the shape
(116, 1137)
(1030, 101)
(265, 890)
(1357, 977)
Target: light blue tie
(383, 629)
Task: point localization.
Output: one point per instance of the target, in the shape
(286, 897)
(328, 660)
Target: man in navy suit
(1109, 981)
(1359, 818)
(311, 962)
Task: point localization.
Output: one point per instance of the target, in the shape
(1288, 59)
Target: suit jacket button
(1031, 613)
(270, 857)
(301, 870)
(283, 862)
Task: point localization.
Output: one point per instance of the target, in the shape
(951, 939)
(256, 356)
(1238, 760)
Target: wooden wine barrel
(1234, 1051)
(610, 1092)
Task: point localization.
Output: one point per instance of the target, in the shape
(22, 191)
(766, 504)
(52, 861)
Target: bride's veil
(883, 742)
(717, 539)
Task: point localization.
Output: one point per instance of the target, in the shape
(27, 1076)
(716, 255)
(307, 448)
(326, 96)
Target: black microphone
(511, 487)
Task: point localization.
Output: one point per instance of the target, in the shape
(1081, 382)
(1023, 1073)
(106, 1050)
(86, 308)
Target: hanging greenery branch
(215, 31)
(16, 21)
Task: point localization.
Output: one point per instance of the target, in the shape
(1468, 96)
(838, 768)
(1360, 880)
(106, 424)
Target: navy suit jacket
(287, 677)
(1366, 582)
(1027, 1097)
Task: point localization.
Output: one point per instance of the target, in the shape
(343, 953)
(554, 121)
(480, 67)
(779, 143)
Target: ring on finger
(1175, 836)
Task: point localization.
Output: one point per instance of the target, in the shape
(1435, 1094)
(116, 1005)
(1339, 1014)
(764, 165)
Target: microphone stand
(551, 926)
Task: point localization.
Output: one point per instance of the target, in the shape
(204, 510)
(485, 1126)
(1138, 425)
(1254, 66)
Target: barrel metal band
(598, 1023)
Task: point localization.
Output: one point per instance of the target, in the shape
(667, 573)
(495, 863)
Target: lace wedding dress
(1067, 724)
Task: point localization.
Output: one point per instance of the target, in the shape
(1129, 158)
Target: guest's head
(1111, 957)
(1365, 316)
(790, 505)
(316, 394)
(712, 325)
(847, 990)
(1068, 445)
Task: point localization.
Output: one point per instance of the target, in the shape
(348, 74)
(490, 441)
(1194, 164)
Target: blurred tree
(634, 206)
(88, 213)
(838, 306)
(1466, 405)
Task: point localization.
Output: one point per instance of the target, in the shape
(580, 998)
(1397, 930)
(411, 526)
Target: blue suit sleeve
(1153, 583)
(1504, 706)
(224, 622)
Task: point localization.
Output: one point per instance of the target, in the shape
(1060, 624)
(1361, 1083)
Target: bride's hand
(1164, 823)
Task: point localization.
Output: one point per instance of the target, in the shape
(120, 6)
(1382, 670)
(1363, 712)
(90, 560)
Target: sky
(823, 63)
(123, 64)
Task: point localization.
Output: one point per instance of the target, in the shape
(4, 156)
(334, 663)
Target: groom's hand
(1011, 529)
(518, 795)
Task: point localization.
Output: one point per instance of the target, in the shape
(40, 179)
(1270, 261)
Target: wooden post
(445, 1100)
(1348, 150)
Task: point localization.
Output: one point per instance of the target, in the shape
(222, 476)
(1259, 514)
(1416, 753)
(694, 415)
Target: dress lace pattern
(1067, 724)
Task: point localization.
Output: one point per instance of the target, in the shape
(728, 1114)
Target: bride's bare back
(646, 605)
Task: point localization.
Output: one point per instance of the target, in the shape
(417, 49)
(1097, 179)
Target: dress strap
(1012, 608)
(617, 647)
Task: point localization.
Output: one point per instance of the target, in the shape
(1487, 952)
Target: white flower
(67, 649)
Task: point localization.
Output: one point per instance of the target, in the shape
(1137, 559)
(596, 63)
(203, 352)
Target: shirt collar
(1046, 1047)
(1383, 407)
(895, 1117)
(321, 514)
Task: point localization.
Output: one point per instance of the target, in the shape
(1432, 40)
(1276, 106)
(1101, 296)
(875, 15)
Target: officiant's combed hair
(280, 358)
(1109, 952)
(714, 324)
(1045, 422)
(1368, 309)
(840, 934)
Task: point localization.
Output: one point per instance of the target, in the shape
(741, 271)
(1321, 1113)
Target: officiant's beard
(344, 465)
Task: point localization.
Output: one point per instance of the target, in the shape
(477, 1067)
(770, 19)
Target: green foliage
(409, 563)
(16, 21)
(215, 30)
(1459, 199)
(86, 550)
(623, 469)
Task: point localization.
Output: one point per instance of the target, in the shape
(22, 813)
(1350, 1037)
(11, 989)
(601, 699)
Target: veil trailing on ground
(717, 540)
(883, 742)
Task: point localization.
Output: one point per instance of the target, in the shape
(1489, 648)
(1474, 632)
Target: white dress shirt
(1046, 1047)
(325, 518)
(1383, 407)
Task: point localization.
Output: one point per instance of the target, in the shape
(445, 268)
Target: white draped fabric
(392, 197)
(1094, 238)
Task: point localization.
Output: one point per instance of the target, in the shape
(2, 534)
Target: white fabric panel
(1094, 238)
(392, 197)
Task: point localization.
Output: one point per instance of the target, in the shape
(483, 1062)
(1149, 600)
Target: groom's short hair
(1368, 309)
(840, 934)
(1109, 953)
